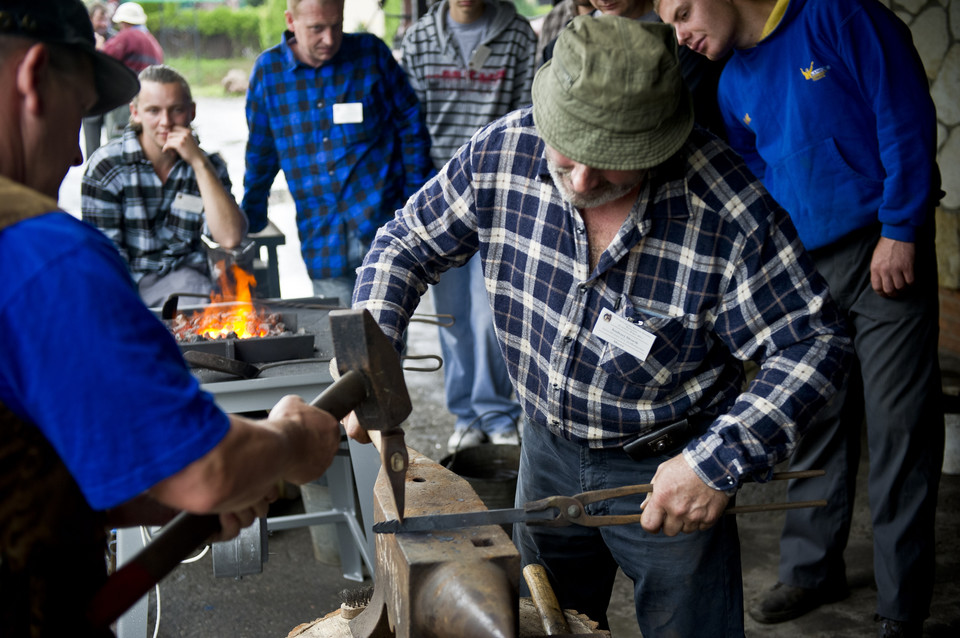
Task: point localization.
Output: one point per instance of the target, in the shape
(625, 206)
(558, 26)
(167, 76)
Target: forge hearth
(284, 341)
(257, 349)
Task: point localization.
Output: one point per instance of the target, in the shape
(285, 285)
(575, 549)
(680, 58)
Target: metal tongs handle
(572, 512)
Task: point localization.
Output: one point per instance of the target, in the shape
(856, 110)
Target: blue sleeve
(262, 161)
(411, 125)
(93, 368)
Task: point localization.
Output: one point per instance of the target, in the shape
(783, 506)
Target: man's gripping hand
(680, 501)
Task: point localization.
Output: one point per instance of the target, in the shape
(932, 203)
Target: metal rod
(773, 507)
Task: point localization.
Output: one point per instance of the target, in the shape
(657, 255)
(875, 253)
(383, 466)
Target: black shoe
(898, 628)
(785, 602)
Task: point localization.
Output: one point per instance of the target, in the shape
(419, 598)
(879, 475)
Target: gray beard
(603, 194)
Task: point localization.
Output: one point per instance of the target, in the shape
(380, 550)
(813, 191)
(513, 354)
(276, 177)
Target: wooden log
(334, 625)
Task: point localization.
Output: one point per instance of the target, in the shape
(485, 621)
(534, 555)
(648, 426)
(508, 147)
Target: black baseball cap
(66, 22)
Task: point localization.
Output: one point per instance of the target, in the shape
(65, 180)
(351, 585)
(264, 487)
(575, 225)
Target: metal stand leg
(133, 623)
(366, 466)
(356, 543)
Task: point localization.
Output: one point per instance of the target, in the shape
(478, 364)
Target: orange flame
(240, 320)
(244, 320)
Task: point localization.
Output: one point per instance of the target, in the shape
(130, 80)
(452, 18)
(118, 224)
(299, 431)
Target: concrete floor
(295, 588)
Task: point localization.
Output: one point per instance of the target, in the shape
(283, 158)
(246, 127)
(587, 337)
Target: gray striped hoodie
(457, 96)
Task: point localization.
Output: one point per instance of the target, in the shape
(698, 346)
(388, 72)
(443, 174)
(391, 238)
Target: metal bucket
(491, 470)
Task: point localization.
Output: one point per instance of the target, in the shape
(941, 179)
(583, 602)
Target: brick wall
(950, 320)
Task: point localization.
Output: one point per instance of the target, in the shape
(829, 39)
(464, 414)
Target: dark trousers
(689, 585)
(896, 386)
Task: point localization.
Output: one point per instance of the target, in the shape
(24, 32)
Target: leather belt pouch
(661, 441)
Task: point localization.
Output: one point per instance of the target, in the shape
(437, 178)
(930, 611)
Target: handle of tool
(343, 395)
(773, 507)
(185, 533)
(132, 581)
(554, 622)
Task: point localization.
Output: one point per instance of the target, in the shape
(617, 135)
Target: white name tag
(627, 336)
(348, 113)
(480, 56)
(187, 202)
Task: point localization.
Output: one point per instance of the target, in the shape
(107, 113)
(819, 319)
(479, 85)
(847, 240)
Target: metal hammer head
(360, 345)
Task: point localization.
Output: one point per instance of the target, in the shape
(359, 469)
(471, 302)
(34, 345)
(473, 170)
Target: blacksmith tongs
(560, 511)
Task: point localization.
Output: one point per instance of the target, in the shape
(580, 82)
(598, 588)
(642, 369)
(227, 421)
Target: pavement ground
(295, 587)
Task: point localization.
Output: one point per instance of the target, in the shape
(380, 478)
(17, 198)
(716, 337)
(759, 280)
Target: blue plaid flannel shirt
(123, 196)
(342, 176)
(707, 262)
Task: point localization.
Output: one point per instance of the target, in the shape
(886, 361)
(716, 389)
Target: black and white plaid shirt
(123, 196)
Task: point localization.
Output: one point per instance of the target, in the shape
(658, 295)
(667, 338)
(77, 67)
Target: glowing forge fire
(238, 320)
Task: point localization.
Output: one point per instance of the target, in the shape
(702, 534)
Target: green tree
(272, 22)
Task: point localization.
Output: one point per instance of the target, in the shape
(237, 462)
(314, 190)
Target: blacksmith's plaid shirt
(123, 196)
(342, 176)
(706, 261)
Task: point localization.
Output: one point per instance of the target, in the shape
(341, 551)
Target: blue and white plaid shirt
(707, 262)
(343, 176)
(123, 196)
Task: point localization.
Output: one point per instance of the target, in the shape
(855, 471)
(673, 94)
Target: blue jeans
(342, 287)
(478, 388)
(689, 585)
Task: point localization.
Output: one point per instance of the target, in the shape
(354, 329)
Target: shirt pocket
(184, 222)
(656, 372)
(368, 130)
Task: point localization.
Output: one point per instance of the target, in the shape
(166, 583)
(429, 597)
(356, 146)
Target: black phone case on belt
(660, 441)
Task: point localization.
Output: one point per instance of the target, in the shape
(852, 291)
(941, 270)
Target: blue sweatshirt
(832, 111)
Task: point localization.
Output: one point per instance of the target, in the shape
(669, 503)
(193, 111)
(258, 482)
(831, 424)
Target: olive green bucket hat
(613, 97)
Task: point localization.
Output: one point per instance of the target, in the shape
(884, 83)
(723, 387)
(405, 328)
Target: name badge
(480, 55)
(189, 203)
(623, 334)
(348, 113)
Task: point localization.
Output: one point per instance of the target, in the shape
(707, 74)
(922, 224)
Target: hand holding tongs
(559, 511)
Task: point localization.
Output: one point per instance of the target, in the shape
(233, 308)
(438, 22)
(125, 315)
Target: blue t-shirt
(88, 363)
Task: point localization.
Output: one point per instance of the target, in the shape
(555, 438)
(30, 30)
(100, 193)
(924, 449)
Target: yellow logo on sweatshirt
(811, 73)
(747, 119)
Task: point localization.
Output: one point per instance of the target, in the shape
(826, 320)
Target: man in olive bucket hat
(632, 263)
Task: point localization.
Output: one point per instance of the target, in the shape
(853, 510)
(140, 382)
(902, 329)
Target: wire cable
(146, 537)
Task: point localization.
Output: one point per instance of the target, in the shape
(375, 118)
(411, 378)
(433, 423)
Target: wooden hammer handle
(554, 622)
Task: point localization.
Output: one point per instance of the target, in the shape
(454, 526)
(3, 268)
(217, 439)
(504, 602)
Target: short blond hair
(293, 4)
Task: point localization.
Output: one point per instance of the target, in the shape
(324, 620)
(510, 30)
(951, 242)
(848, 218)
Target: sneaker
(467, 437)
(785, 602)
(504, 438)
(890, 628)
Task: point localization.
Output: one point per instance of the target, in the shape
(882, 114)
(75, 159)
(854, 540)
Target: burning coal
(231, 314)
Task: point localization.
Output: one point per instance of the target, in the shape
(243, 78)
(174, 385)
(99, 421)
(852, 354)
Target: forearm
(142, 510)
(227, 223)
(295, 445)
(262, 162)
